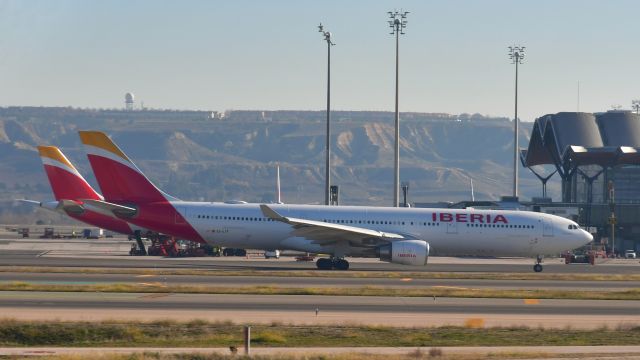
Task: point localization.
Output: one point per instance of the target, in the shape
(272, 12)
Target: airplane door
(547, 227)
(452, 228)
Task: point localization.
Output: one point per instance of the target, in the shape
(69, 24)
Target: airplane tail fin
(65, 180)
(119, 178)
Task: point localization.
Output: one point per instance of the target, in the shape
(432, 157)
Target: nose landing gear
(538, 266)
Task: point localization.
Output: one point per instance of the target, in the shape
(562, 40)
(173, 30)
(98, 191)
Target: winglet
(272, 214)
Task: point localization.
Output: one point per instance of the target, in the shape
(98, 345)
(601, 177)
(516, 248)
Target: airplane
(397, 235)
(69, 187)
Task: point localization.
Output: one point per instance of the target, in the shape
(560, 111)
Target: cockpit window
(574, 227)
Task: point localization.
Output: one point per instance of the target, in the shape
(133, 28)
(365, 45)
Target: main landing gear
(538, 267)
(332, 263)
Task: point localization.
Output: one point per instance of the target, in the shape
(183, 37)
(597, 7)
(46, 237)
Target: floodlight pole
(327, 185)
(516, 54)
(397, 23)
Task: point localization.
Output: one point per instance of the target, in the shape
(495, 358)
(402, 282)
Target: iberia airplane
(397, 235)
(71, 189)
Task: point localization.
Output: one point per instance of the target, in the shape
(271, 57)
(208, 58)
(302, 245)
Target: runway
(397, 311)
(436, 264)
(113, 253)
(335, 282)
(283, 303)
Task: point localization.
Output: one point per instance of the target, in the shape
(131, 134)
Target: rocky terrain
(197, 156)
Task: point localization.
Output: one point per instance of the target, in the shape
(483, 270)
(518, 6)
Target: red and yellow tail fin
(119, 178)
(65, 180)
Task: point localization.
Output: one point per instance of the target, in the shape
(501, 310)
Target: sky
(269, 55)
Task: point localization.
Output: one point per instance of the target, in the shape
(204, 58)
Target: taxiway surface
(294, 309)
(55, 278)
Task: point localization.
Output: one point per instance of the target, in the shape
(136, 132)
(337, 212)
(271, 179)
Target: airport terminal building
(597, 158)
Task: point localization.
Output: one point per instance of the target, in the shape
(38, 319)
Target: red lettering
(477, 217)
(488, 218)
(500, 218)
(433, 217)
(444, 217)
(461, 217)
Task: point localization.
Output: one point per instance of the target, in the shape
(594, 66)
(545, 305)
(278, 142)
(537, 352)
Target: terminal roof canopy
(570, 139)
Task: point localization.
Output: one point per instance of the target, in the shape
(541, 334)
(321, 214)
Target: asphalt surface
(37, 258)
(236, 281)
(293, 303)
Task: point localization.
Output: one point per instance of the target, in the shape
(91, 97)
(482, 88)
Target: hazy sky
(218, 55)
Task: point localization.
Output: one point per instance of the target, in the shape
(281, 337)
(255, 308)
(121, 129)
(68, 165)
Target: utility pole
(612, 217)
(516, 54)
(397, 23)
(327, 185)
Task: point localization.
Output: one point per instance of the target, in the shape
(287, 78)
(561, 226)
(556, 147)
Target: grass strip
(330, 274)
(223, 334)
(632, 294)
(432, 353)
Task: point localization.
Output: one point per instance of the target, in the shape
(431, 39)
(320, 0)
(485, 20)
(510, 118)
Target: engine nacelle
(405, 252)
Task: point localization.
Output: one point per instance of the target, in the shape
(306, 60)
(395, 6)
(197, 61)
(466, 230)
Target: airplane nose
(587, 237)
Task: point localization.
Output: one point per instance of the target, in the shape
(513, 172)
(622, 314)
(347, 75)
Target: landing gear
(341, 264)
(324, 264)
(332, 263)
(538, 267)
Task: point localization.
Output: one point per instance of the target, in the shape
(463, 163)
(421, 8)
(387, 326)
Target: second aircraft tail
(66, 182)
(119, 178)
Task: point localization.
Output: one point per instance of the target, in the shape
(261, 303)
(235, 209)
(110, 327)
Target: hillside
(196, 157)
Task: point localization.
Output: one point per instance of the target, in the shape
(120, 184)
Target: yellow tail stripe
(54, 153)
(102, 141)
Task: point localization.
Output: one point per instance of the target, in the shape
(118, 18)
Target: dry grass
(158, 288)
(204, 334)
(331, 274)
(434, 353)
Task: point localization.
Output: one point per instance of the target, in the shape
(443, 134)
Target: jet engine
(405, 252)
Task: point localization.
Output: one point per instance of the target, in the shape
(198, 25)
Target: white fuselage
(448, 231)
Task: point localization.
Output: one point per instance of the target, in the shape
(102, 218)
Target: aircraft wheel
(341, 264)
(324, 264)
(537, 268)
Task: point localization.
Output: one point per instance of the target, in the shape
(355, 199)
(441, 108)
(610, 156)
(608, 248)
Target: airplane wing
(328, 233)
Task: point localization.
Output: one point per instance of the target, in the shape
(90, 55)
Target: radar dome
(128, 97)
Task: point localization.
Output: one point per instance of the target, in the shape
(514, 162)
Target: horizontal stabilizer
(30, 202)
(68, 206)
(110, 209)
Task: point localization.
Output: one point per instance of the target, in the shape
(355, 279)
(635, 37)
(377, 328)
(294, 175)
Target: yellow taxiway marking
(406, 279)
(153, 296)
(531, 301)
(144, 275)
(450, 287)
(152, 284)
